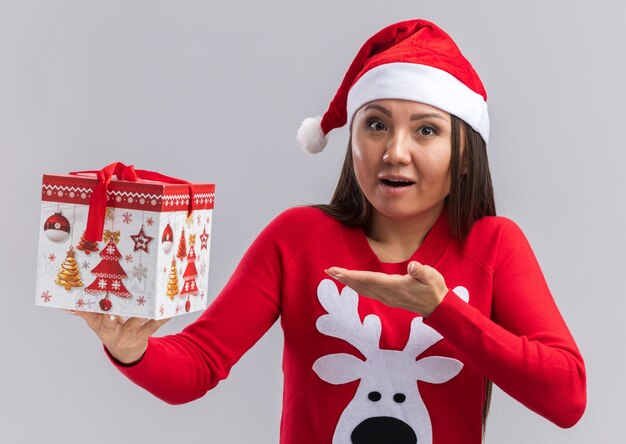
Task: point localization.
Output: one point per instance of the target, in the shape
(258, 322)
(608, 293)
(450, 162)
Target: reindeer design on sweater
(387, 406)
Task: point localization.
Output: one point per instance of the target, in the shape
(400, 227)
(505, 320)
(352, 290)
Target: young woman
(403, 299)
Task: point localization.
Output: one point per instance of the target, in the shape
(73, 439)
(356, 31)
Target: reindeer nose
(383, 430)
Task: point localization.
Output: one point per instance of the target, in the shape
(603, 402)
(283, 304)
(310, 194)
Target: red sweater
(392, 373)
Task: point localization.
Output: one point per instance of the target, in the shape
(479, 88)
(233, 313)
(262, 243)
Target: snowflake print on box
(145, 224)
(109, 274)
(140, 271)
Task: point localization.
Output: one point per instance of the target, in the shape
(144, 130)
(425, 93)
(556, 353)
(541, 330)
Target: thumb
(421, 272)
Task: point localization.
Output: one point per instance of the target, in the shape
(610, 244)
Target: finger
(412, 269)
(134, 323)
(110, 322)
(151, 326)
(362, 277)
(371, 284)
(334, 272)
(93, 320)
(81, 314)
(421, 272)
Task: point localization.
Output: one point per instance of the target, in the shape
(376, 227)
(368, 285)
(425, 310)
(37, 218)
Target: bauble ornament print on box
(57, 227)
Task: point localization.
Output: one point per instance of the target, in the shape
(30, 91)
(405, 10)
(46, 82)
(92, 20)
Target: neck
(395, 240)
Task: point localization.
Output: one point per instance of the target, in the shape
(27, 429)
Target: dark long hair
(470, 197)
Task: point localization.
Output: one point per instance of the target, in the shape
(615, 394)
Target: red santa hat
(412, 60)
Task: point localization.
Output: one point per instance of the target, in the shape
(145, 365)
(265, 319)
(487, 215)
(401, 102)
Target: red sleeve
(182, 367)
(526, 348)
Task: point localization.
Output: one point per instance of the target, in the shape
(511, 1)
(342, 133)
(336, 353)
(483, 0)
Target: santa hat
(412, 60)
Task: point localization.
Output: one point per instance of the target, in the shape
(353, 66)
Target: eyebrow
(426, 116)
(417, 116)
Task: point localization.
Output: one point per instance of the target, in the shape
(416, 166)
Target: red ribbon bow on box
(98, 202)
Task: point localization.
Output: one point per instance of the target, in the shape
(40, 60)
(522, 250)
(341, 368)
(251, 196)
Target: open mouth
(397, 183)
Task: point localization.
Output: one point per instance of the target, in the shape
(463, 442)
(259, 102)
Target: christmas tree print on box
(153, 258)
(109, 276)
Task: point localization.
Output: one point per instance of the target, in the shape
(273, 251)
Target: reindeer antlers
(343, 321)
(422, 337)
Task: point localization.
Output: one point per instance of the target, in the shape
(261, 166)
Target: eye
(376, 125)
(427, 131)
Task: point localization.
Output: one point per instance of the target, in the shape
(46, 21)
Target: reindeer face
(387, 406)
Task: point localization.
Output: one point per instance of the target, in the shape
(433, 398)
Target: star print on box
(204, 239)
(141, 240)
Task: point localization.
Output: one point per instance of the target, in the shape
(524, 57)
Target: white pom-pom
(310, 136)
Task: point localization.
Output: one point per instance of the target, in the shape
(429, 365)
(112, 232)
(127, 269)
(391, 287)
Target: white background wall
(215, 92)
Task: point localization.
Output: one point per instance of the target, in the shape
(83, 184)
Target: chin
(403, 212)
(396, 213)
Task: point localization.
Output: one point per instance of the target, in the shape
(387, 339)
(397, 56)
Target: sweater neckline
(429, 252)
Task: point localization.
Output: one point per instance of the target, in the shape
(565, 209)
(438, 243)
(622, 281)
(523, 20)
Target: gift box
(124, 241)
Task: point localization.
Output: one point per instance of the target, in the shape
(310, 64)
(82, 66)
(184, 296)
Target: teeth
(397, 182)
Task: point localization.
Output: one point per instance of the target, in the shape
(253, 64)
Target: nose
(397, 152)
(383, 430)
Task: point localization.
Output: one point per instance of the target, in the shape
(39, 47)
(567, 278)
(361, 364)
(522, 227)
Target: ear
(339, 368)
(436, 369)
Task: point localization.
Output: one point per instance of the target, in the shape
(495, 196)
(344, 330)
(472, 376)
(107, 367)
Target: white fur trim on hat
(310, 136)
(421, 83)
